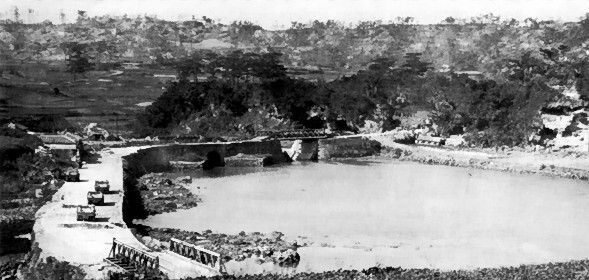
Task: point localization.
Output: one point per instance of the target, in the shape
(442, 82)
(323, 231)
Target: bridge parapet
(294, 133)
(201, 255)
(130, 258)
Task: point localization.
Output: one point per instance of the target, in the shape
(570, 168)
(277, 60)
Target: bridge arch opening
(214, 159)
(314, 122)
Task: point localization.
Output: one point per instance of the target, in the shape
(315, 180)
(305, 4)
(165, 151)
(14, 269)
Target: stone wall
(348, 147)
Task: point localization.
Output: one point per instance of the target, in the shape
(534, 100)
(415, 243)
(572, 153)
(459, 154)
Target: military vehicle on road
(102, 186)
(95, 198)
(72, 175)
(86, 213)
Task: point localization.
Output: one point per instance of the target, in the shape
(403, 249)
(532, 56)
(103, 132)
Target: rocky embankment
(563, 163)
(161, 194)
(554, 165)
(264, 248)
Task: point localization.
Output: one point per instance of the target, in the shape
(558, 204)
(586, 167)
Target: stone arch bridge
(157, 159)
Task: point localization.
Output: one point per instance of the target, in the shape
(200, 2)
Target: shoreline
(518, 162)
(418, 154)
(481, 160)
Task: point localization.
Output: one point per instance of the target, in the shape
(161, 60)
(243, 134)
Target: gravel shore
(562, 164)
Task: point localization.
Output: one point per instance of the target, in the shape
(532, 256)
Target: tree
(449, 20)
(81, 15)
(62, 16)
(192, 65)
(76, 60)
(414, 64)
(16, 14)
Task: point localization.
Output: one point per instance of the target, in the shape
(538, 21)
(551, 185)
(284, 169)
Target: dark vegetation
(320, 74)
(23, 170)
(230, 100)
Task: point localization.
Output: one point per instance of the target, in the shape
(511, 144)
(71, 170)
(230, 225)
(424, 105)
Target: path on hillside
(88, 243)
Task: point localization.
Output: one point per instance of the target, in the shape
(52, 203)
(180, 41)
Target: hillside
(483, 44)
(489, 78)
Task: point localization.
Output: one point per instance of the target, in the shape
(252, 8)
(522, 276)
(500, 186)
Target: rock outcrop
(161, 194)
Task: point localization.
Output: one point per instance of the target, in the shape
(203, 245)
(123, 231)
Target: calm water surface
(396, 214)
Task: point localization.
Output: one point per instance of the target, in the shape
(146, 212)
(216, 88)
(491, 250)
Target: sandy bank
(562, 164)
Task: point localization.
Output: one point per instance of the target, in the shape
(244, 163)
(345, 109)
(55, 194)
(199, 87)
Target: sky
(278, 14)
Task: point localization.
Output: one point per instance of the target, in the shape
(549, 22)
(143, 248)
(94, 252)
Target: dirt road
(88, 243)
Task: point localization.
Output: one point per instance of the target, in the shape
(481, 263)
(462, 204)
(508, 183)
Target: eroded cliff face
(348, 147)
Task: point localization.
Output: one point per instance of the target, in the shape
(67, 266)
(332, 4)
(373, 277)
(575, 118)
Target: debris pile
(161, 194)
(270, 247)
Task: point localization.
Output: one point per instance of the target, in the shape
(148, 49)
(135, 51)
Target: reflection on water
(395, 213)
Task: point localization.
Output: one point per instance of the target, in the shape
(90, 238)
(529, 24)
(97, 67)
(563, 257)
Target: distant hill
(485, 44)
